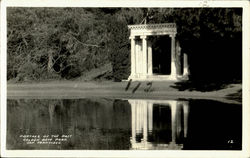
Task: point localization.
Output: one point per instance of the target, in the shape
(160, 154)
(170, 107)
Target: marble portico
(142, 54)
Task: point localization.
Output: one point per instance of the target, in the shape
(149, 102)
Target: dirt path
(77, 89)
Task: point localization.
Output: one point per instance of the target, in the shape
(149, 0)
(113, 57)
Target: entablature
(153, 29)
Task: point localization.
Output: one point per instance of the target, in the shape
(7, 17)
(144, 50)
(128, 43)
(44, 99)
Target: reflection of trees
(158, 124)
(93, 123)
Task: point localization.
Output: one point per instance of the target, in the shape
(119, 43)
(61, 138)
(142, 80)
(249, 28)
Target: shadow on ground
(201, 86)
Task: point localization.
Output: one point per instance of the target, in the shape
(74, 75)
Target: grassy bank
(158, 90)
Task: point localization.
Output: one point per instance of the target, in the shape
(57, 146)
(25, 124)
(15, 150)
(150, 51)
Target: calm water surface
(107, 124)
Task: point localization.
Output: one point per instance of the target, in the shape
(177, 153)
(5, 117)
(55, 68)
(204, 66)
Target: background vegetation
(67, 43)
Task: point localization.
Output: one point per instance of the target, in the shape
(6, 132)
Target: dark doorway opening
(161, 48)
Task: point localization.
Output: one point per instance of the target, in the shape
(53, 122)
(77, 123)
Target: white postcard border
(128, 3)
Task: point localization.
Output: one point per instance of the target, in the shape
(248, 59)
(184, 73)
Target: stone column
(173, 57)
(178, 58)
(133, 62)
(137, 53)
(150, 59)
(144, 54)
(186, 66)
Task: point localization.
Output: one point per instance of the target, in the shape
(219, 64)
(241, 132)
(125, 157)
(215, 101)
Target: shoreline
(114, 90)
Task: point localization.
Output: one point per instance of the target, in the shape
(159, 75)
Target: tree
(56, 43)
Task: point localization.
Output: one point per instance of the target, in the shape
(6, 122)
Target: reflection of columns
(144, 54)
(137, 108)
(133, 62)
(150, 59)
(150, 117)
(178, 121)
(173, 120)
(145, 122)
(133, 122)
(173, 58)
(185, 112)
(186, 66)
(142, 123)
(141, 117)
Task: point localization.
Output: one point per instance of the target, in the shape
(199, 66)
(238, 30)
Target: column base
(136, 77)
(153, 77)
(186, 73)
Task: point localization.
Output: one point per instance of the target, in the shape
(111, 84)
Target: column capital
(172, 35)
(143, 37)
(131, 37)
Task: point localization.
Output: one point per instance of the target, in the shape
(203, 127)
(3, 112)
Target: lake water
(115, 124)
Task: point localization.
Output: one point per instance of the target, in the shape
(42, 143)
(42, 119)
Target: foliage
(45, 43)
(54, 41)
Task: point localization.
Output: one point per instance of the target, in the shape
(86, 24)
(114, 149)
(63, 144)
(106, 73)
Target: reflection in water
(94, 124)
(152, 121)
(107, 124)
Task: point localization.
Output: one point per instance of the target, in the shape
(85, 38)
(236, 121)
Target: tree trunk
(50, 62)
